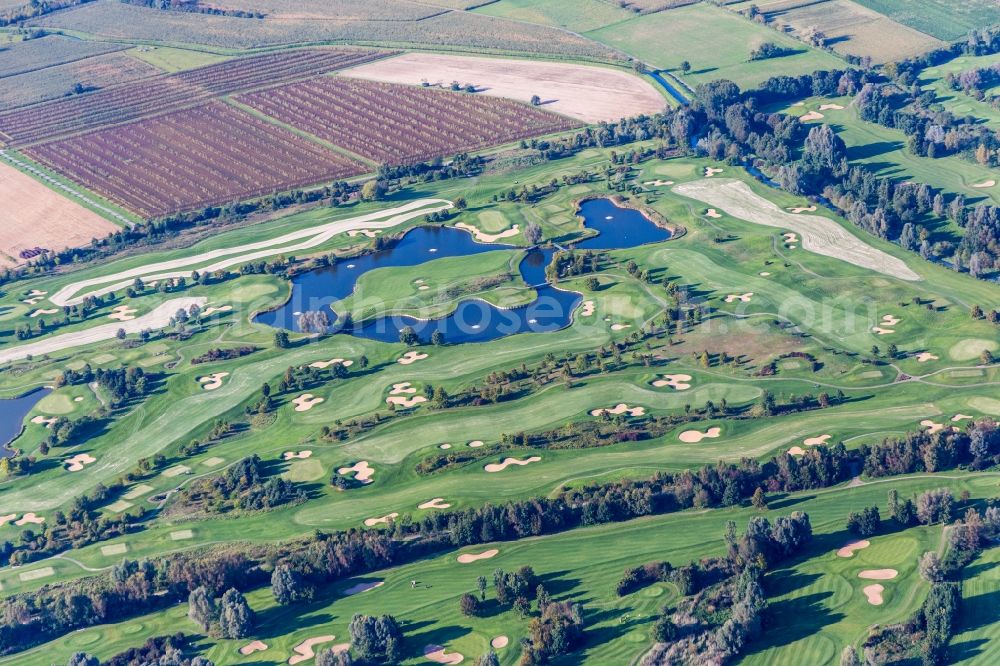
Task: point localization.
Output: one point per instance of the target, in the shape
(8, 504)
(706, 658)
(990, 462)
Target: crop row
(207, 155)
(171, 91)
(394, 124)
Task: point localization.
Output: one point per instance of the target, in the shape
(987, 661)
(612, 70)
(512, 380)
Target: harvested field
(172, 91)
(945, 19)
(207, 155)
(39, 217)
(48, 52)
(652, 6)
(588, 93)
(340, 10)
(394, 124)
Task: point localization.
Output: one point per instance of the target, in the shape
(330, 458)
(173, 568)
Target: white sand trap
(847, 550)
(711, 171)
(960, 417)
(384, 520)
(306, 401)
(923, 357)
(484, 237)
(77, 462)
(792, 247)
(29, 518)
(499, 643)
(401, 388)
(620, 327)
(43, 420)
(797, 451)
(812, 115)
(469, 558)
(405, 403)
(440, 655)
(369, 233)
(763, 274)
(212, 382)
(831, 107)
(78, 398)
(620, 408)
(39, 313)
(444, 447)
(745, 298)
(213, 310)
(304, 650)
(933, 427)
(363, 472)
(292, 455)
(695, 436)
(363, 587)
(123, 313)
(874, 594)
(676, 382)
(411, 357)
(507, 462)
(985, 183)
(890, 320)
(213, 462)
(816, 441)
(177, 470)
(36, 292)
(436, 503)
(253, 646)
(882, 331)
(878, 574)
(820, 234)
(33, 301)
(790, 237)
(44, 572)
(658, 183)
(322, 365)
(181, 535)
(802, 209)
(476, 443)
(114, 549)
(587, 310)
(423, 287)
(6, 519)
(712, 213)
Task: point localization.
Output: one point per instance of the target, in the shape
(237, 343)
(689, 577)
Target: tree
(288, 587)
(83, 659)
(330, 658)
(685, 66)
(236, 618)
(468, 605)
(533, 233)
(849, 657)
(536, 100)
(437, 338)
(373, 190)
(376, 640)
(281, 339)
(664, 631)
(201, 607)
(930, 568)
(934, 506)
(481, 585)
(488, 659)
(408, 336)
(759, 501)
(522, 607)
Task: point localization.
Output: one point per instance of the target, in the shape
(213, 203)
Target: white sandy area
(444, 447)
(411, 357)
(923, 357)
(587, 309)
(796, 451)
(304, 650)
(297, 455)
(158, 318)
(695, 436)
(29, 518)
(123, 313)
(874, 594)
(43, 311)
(985, 183)
(812, 115)
(43, 420)
(710, 172)
(499, 643)
(819, 233)
(507, 462)
(878, 574)
(847, 550)
(322, 365)
(440, 655)
(402, 388)
(802, 209)
(732, 298)
(253, 646)
(212, 382)
(37, 292)
(890, 320)
(405, 403)
(712, 213)
(223, 258)
(364, 232)
(584, 92)
(469, 558)
(763, 274)
(882, 331)
(620, 408)
(831, 107)
(476, 443)
(658, 182)
(620, 327)
(213, 310)
(676, 382)
(384, 520)
(816, 441)
(306, 401)
(77, 462)
(363, 472)
(790, 237)
(6, 519)
(484, 237)
(960, 417)
(363, 587)
(436, 503)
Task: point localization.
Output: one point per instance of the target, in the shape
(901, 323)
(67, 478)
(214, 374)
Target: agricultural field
(395, 124)
(575, 15)
(339, 10)
(191, 159)
(49, 51)
(171, 60)
(943, 19)
(716, 42)
(588, 93)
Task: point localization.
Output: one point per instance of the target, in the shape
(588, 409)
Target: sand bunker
(499, 643)
(411, 357)
(123, 313)
(436, 503)
(439, 655)
(960, 417)
(405, 403)
(507, 462)
(676, 382)
(292, 455)
(213, 310)
(304, 650)
(36, 292)
(29, 518)
(802, 209)
(933, 427)
(790, 237)
(212, 382)
(306, 401)
(831, 107)
(77, 462)
(476, 443)
(878, 574)
(658, 183)
(444, 447)
(711, 171)
(322, 365)
(6, 519)
(882, 331)
(874, 594)
(712, 213)
(483, 237)
(620, 408)
(588, 309)
(364, 232)
(423, 287)
(363, 587)
(923, 357)
(763, 274)
(797, 451)
(890, 320)
(985, 183)
(820, 234)
(33, 301)
(816, 441)
(384, 520)
(812, 115)
(39, 313)
(620, 327)
(363, 472)
(468, 558)
(695, 436)
(253, 646)
(43, 420)
(401, 388)
(732, 298)
(848, 548)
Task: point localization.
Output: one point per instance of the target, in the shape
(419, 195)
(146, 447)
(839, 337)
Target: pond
(473, 320)
(12, 413)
